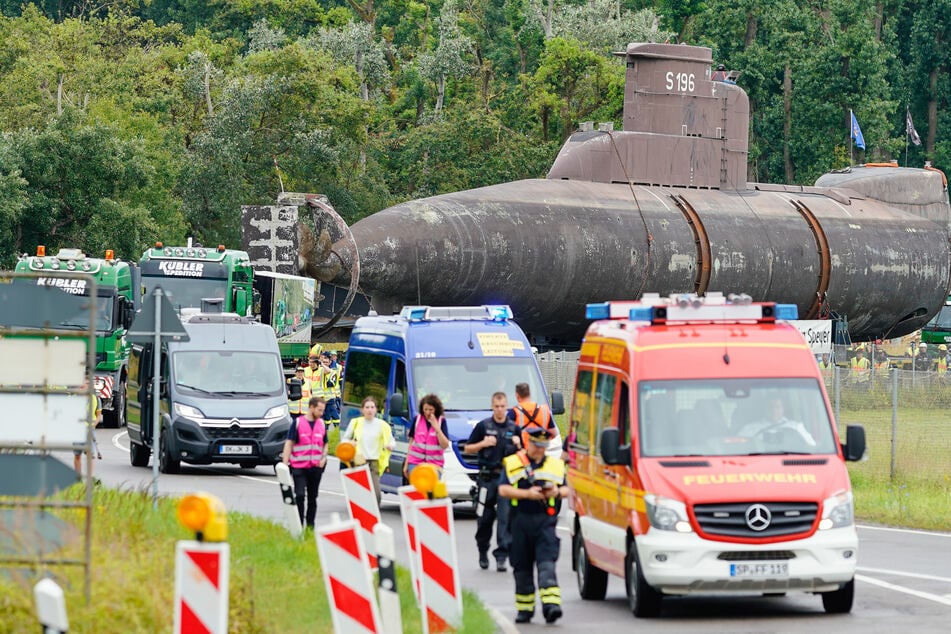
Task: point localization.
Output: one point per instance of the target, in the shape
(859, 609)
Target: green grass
(276, 582)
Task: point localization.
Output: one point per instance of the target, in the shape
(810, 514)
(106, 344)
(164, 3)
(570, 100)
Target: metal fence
(906, 415)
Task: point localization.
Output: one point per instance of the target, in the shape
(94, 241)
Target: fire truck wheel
(592, 581)
(644, 600)
(839, 601)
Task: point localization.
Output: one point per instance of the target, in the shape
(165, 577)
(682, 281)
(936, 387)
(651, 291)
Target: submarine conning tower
(672, 109)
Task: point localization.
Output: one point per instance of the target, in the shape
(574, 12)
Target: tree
(448, 59)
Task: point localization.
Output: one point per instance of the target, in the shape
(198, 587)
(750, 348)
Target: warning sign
(498, 344)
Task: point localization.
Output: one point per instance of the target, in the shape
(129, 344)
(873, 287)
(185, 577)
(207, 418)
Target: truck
(938, 330)
(223, 397)
(116, 303)
(704, 456)
(193, 274)
(463, 354)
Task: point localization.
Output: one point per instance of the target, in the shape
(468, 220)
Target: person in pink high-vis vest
(429, 436)
(305, 452)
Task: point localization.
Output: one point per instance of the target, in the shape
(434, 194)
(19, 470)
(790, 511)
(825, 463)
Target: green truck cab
(191, 274)
(116, 303)
(938, 330)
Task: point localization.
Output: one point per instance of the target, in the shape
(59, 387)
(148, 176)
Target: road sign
(34, 474)
(142, 329)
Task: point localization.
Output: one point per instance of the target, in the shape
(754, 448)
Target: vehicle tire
(644, 601)
(839, 601)
(139, 455)
(592, 581)
(115, 417)
(167, 462)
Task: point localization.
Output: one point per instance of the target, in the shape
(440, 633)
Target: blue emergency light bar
(486, 312)
(692, 308)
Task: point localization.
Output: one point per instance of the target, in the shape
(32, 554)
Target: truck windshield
(227, 373)
(730, 417)
(941, 321)
(186, 292)
(468, 384)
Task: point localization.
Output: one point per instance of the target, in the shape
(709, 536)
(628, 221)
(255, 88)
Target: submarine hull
(548, 247)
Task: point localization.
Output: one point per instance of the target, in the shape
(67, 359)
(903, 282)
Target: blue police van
(463, 354)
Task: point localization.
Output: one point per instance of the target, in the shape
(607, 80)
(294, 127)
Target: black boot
(483, 560)
(552, 612)
(500, 564)
(524, 616)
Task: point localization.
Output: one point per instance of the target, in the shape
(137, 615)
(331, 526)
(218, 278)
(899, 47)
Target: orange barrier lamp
(425, 478)
(204, 514)
(346, 451)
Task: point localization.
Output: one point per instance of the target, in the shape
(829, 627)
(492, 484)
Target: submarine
(664, 205)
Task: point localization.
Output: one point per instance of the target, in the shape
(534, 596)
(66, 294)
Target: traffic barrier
(361, 500)
(407, 495)
(440, 592)
(389, 596)
(348, 581)
(201, 587)
(291, 514)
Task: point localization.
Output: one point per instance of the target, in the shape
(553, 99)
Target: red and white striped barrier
(408, 494)
(440, 592)
(349, 583)
(103, 384)
(361, 500)
(201, 587)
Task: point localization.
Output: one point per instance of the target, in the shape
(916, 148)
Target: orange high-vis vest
(528, 412)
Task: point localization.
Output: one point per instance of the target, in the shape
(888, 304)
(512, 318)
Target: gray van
(223, 396)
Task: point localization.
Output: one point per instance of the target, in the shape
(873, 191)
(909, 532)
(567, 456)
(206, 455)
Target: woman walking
(374, 441)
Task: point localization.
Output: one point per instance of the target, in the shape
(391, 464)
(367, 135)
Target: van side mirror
(612, 452)
(557, 403)
(294, 391)
(854, 447)
(398, 405)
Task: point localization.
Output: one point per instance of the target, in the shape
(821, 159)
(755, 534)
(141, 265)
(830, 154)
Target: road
(904, 575)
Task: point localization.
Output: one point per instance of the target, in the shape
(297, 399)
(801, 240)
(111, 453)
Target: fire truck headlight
(837, 511)
(666, 514)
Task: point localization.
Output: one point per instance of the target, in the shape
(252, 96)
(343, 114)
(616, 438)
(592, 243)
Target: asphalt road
(904, 576)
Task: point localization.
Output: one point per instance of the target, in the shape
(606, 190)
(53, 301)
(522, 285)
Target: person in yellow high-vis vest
(299, 407)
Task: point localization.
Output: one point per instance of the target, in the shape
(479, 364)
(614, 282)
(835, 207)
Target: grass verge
(276, 582)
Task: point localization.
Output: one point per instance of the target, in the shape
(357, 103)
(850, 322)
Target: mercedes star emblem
(758, 517)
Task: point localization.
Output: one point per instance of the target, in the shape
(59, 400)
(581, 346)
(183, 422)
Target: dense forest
(123, 122)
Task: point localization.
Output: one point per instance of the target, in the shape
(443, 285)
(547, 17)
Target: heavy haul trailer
(286, 302)
(115, 305)
(191, 275)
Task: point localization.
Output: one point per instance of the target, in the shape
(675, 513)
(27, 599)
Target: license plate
(760, 569)
(235, 449)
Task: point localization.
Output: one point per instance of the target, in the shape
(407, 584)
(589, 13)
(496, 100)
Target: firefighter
(535, 484)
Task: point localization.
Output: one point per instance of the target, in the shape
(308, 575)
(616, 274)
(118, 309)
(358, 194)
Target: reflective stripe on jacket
(309, 448)
(529, 412)
(424, 447)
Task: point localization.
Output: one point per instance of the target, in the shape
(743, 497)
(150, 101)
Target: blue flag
(857, 132)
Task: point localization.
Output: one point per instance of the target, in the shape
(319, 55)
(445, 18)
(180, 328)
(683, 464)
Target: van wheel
(592, 581)
(644, 600)
(839, 601)
(139, 455)
(167, 463)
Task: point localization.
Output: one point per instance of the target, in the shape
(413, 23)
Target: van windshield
(468, 384)
(227, 374)
(730, 417)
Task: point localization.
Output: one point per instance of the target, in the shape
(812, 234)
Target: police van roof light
(414, 313)
(499, 312)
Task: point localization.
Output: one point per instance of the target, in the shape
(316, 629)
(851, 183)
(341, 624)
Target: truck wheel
(115, 417)
(139, 455)
(644, 600)
(839, 601)
(167, 462)
(592, 581)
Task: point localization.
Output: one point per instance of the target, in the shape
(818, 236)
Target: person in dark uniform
(493, 439)
(535, 484)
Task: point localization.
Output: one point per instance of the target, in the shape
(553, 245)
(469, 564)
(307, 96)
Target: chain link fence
(906, 412)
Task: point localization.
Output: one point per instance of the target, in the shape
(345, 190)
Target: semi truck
(116, 303)
(193, 274)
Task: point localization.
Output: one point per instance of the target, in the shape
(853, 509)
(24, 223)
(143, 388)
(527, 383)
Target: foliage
(275, 581)
(372, 102)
